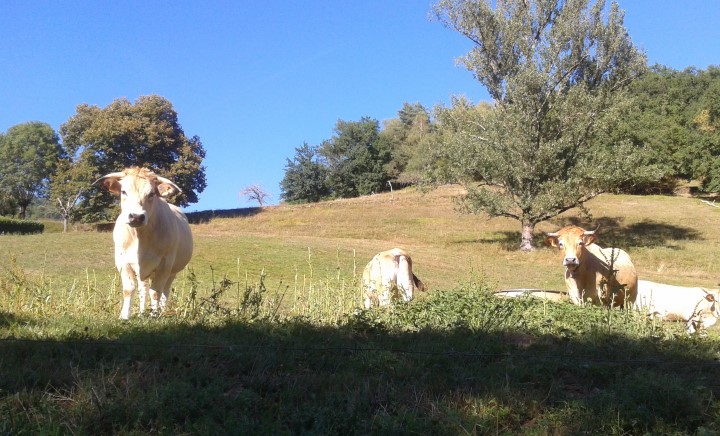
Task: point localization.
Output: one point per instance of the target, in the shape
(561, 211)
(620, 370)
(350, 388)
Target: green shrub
(22, 227)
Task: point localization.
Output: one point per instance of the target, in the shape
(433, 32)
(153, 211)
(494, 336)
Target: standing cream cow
(605, 276)
(389, 272)
(698, 307)
(152, 237)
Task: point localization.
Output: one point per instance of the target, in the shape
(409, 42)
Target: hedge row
(23, 227)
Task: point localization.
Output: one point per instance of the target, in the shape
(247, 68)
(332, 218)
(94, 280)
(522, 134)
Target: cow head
(572, 241)
(139, 189)
(712, 313)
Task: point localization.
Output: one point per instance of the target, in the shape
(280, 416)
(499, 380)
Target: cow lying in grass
(390, 273)
(152, 237)
(603, 276)
(697, 307)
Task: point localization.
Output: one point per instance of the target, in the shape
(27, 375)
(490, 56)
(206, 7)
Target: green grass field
(265, 332)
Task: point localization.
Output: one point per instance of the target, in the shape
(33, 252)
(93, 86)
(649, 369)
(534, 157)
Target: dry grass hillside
(670, 239)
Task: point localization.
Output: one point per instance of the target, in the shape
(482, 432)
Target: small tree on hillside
(255, 193)
(28, 154)
(72, 179)
(305, 177)
(556, 70)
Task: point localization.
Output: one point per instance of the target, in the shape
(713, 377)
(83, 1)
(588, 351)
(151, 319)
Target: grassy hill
(265, 334)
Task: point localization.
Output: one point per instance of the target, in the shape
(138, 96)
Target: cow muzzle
(136, 219)
(571, 262)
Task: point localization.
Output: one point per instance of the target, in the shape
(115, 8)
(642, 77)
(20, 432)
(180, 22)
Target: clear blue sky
(254, 80)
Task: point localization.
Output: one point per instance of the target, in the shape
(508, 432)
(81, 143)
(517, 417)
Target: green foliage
(356, 157)
(28, 156)
(405, 136)
(305, 177)
(21, 227)
(556, 72)
(146, 134)
(361, 158)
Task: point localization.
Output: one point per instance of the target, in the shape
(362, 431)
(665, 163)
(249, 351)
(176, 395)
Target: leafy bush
(23, 227)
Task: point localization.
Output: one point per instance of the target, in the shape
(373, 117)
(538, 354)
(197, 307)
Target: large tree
(28, 155)
(147, 134)
(356, 157)
(706, 131)
(557, 71)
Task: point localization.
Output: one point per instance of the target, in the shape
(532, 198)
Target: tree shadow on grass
(611, 233)
(362, 377)
(648, 233)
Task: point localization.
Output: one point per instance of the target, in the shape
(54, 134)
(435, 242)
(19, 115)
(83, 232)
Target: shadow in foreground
(366, 375)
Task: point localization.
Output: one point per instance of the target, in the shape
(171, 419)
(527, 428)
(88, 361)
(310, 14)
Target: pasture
(265, 334)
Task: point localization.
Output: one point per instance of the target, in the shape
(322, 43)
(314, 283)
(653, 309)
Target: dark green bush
(22, 227)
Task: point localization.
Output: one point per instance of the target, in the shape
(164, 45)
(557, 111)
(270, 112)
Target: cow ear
(111, 182)
(166, 188)
(589, 239)
(551, 239)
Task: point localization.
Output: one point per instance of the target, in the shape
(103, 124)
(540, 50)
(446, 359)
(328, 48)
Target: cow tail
(419, 285)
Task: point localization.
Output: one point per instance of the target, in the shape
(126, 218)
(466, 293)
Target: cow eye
(581, 243)
(123, 192)
(561, 245)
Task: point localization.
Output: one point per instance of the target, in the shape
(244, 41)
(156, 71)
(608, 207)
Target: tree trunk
(527, 241)
(65, 224)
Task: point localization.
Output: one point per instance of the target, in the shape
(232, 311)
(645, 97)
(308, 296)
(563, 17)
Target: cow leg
(156, 291)
(142, 293)
(166, 292)
(368, 301)
(385, 294)
(159, 290)
(404, 279)
(127, 275)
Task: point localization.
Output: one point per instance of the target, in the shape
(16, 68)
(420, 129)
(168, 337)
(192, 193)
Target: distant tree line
(360, 158)
(59, 170)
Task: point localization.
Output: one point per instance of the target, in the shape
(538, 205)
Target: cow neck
(582, 265)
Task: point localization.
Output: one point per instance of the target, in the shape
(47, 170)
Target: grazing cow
(152, 237)
(390, 272)
(698, 307)
(605, 276)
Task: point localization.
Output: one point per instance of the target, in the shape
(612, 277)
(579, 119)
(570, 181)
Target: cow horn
(117, 175)
(552, 234)
(592, 232)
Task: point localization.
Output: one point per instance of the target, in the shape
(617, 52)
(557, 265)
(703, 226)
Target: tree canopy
(146, 134)
(356, 157)
(305, 177)
(557, 71)
(28, 155)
